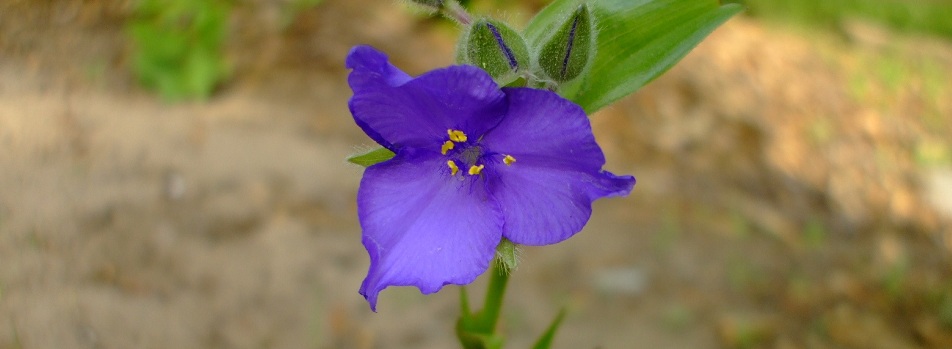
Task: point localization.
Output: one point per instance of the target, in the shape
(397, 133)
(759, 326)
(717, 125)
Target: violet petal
(423, 227)
(546, 195)
(399, 112)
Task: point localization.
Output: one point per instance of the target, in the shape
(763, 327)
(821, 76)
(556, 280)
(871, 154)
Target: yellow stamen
(447, 147)
(453, 167)
(457, 135)
(475, 170)
(508, 160)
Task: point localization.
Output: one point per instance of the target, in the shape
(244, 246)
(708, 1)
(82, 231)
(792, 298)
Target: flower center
(463, 153)
(471, 154)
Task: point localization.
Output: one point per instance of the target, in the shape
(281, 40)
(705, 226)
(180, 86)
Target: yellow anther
(447, 147)
(475, 170)
(508, 160)
(457, 135)
(453, 167)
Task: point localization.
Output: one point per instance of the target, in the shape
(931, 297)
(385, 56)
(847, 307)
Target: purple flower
(474, 164)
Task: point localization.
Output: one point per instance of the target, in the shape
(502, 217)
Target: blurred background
(172, 175)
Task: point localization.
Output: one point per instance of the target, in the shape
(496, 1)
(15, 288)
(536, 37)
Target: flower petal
(371, 67)
(546, 195)
(423, 227)
(399, 112)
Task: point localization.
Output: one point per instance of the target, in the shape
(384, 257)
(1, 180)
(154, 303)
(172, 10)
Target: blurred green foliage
(178, 46)
(923, 16)
(944, 310)
(678, 317)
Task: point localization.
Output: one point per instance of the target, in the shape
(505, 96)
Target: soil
(794, 191)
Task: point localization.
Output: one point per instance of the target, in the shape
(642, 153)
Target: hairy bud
(495, 47)
(564, 56)
(507, 255)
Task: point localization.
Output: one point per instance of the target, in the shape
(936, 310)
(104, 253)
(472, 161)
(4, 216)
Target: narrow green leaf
(545, 342)
(637, 41)
(372, 157)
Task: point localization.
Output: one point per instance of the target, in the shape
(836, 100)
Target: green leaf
(637, 41)
(372, 157)
(545, 342)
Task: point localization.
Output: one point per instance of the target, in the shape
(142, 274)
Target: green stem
(457, 12)
(478, 330)
(494, 295)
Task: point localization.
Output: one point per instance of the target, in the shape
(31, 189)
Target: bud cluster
(502, 51)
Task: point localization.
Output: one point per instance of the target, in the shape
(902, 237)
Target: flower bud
(507, 255)
(495, 47)
(564, 56)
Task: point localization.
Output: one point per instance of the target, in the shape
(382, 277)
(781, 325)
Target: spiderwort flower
(473, 163)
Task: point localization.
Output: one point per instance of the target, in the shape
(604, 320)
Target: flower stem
(477, 330)
(494, 295)
(455, 11)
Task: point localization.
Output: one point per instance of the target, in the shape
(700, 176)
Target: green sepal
(372, 157)
(566, 54)
(496, 48)
(545, 341)
(520, 81)
(507, 255)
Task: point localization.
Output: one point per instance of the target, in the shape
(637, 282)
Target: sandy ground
(793, 193)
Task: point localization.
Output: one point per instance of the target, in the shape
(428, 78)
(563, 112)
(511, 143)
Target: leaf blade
(545, 341)
(372, 157)
(623, 72)
(638, 40)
